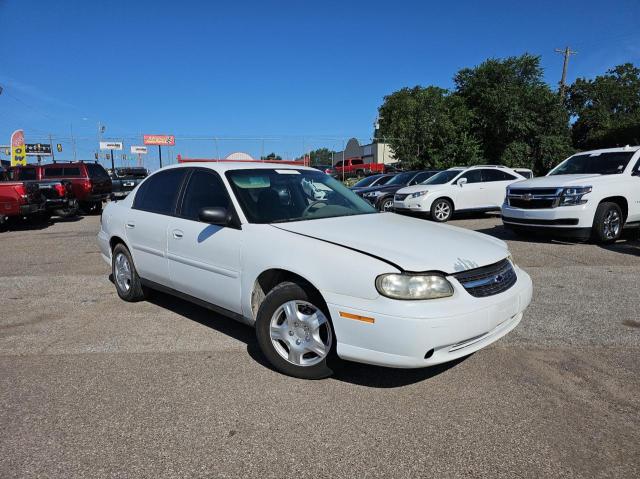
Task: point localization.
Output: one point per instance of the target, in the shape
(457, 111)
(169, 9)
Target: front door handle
(130, 225)
(177, 234)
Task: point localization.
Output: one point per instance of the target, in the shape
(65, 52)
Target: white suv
(477, 188)
(591, 194)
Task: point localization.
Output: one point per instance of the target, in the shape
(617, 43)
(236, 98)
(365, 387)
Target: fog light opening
(429, 353)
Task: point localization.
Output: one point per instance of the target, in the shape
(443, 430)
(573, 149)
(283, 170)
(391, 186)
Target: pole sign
(111, 145)
(37, 149)
(160, 140)
(18, 155)
(139, 150)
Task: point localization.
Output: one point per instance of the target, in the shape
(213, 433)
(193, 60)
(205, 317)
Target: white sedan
(475, 188)
(316, 269)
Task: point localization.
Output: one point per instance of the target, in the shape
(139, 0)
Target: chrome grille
(488, 280)
(533, 198)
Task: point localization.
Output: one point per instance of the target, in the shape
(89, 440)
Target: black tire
(90, 207)
(441, 210)
(607, 223)
(385, 203)
(275, 299)
(359, 173)
(135, 291)
(68, 212)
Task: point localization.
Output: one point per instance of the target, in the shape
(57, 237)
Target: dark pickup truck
(124, 180)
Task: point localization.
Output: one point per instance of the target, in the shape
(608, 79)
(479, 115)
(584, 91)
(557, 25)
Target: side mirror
(461, 182)
(215, 215)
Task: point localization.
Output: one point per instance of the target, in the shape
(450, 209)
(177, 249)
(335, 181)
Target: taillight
(87, 185)
(60, 189)
(22, 191)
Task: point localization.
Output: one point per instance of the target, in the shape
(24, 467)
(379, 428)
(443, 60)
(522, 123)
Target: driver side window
(204, 189)
(473, 176)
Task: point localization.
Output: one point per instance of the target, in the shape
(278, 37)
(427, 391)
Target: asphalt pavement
(91, 386)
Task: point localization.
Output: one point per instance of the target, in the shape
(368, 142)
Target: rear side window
(60, 171)
(357, 162)
(204, 189)
(96, 171)
(496, 175)
(159, 192)
(27, 174)
(420, 177)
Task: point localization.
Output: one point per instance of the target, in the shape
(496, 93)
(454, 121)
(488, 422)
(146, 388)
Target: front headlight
(418, 194)
(573, 195)
(413, 286)
(372, 194)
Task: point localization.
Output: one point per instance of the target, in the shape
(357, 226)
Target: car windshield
(365, 181)
(442, 177)
(594, 163)
(284, 195)
(401, 178)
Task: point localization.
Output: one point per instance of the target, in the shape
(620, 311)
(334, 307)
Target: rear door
(496, 182)
(204, 259)
(147, 222)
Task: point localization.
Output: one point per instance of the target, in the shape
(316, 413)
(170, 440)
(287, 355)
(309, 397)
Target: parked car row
(61, 189)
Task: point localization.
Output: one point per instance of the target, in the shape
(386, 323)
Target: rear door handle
(130, 225)
(177, 234)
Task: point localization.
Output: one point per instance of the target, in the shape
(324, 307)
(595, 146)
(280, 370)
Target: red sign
(163, 140)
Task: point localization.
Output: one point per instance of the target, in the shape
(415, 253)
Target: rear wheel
(441, 210)
(607, 223)
(294, 332)
(125, 276)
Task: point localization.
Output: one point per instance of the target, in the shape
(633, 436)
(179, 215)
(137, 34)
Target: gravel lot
(91, 386)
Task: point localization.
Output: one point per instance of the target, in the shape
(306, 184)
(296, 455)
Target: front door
(204, 259)
(471, 195)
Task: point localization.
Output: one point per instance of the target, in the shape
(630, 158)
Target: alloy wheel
(300, 333)
(387, 205)
(123, 272)
(611, 224)
(442, 211)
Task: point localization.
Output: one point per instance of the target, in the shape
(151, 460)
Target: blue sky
(301, 74)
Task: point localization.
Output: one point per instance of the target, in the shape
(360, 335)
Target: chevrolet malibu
(317, 270)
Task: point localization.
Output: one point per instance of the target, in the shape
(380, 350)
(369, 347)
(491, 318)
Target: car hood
(414, 188)
(555, 181)
(411, 244)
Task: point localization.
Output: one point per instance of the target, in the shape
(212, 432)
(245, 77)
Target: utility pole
(567, 52)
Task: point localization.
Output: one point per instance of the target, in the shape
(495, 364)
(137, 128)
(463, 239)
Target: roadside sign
(111, 145)
(160, 140)
(37, 149)
(139, 150)
(18, 155)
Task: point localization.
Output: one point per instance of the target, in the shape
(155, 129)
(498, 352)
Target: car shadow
(345, 371)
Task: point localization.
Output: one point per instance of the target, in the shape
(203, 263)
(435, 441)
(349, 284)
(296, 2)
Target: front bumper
(425, 333)
(580, 216)
(421, 204)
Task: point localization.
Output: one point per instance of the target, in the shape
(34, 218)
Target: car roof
(610, 150)
(223, 166)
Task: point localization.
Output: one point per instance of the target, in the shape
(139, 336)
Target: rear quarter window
(96, 171)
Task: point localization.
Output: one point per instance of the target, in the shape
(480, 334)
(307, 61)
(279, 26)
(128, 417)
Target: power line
(567, 52)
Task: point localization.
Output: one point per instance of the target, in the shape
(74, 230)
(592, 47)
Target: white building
(377, 152)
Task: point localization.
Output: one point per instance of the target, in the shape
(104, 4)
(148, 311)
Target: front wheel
(294, 332)
(441, 210)
(386, 204)
(607, 223)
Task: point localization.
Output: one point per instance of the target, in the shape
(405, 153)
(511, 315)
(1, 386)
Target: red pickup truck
(18, 199)
(90, 182)
(355, 167)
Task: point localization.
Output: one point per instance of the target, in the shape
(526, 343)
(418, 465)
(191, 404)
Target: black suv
(382, 196)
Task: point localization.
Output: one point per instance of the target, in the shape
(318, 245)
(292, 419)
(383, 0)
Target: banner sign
(140, 150)
(37, 149)
(18, 155)
(111, 145)
(162, 140)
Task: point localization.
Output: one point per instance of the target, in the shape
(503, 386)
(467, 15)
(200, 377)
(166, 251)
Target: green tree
(517, 117)
(271, 156)
(607, 109)
(428, 127)
(321, 156)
